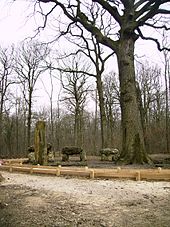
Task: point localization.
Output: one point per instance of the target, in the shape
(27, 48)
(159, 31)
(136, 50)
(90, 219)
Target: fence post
(92, 174)
(138, 176)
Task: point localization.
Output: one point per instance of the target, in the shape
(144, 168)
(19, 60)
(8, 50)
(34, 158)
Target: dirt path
(33, 200)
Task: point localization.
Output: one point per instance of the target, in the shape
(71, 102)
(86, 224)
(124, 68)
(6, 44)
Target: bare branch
(163, 11)
(149, 10)
(157, 27)
(45, 19)
(83, 20)
(111, 9)
(67, 70)
(152, 39)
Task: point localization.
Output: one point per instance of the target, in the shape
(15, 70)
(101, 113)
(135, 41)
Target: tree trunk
(103, 123)
(166, 104)
(29, 118)
(133, 145)
(110, 128)
(78, 127)
(1, 124)
(1, 136)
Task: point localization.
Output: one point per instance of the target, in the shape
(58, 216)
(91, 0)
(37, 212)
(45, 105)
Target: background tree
(50, 94)
(28, 66)
(6, 80)
(131, 17)
(148, 78)
(75, 94)
(153, 106)
(19, 116)
(112, 103)
(89, 46)
(166, 61)
(54, 136)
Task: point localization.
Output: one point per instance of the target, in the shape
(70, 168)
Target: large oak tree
(125, 20)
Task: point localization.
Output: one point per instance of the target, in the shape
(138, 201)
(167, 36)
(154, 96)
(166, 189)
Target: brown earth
(48, 201)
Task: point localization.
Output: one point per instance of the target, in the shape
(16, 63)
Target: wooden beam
(134, 174)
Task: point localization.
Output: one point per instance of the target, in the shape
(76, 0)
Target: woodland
(130, 107)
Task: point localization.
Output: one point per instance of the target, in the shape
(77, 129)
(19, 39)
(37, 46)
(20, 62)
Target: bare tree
(112, 103)
(20, 127)
(6, 80)
(75, 94)
(28, 66)
(148, 78)
(50, 96)
(152, 104)
(167, 90)
(98, 57)
(130, 17)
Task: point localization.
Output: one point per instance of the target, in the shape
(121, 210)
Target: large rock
(50, 153)
(106, 152)
(50, 156)
(67, 151)
(31, 158)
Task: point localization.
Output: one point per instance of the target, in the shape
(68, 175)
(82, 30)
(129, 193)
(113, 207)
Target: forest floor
(49, 201)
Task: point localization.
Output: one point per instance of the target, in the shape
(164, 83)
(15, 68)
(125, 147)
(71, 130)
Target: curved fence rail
(116, 173)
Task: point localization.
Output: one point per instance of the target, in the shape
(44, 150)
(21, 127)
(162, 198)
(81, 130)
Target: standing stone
(40, 143)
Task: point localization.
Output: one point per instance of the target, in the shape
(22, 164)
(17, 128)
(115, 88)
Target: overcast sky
(13, 23)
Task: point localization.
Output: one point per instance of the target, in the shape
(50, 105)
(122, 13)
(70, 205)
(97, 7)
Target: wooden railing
(118, 173)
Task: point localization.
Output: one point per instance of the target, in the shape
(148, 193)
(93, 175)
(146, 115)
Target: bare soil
(49, 201)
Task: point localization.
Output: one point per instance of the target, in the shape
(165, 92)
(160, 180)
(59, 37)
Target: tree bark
(133, 144)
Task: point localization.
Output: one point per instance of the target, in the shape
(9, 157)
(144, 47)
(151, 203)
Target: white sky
(17, 22)
(13, 25)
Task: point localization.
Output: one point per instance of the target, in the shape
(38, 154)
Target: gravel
(86, 202)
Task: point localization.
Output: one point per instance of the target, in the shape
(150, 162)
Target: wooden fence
(123, 173)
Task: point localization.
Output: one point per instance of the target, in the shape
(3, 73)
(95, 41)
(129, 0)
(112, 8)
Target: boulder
(31, 157)
(50, 156)
(106, 152)
(66, 151)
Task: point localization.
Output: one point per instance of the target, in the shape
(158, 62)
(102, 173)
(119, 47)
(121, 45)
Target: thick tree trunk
(133, 145)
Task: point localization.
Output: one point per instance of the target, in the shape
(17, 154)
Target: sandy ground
(35, 200)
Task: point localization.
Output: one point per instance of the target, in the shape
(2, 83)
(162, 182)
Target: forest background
(56, 82)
